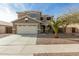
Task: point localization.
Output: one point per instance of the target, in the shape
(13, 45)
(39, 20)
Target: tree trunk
(64, 29)
(56, 35)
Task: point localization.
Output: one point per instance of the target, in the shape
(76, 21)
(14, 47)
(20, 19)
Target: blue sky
(8, 11)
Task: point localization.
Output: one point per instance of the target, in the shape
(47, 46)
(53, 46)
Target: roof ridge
(29, 17)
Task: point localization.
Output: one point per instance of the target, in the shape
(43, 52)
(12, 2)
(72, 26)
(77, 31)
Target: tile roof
(6, 23)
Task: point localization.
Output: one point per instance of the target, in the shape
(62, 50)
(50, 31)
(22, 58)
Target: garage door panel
(27, 29)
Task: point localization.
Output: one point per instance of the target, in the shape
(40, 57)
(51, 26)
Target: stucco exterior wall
(2, 29)
(69, 28)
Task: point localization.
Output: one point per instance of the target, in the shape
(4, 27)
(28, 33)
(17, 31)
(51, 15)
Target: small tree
(70, 18)
(66, 22)
(55, 25)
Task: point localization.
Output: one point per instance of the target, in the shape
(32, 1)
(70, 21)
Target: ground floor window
(42, 28)
(73, 30)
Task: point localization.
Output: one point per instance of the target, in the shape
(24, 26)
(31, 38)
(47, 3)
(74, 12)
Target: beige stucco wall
(2, 30)
(69, 28)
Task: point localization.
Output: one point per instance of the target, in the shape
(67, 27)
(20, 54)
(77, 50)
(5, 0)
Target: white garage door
(27, 29)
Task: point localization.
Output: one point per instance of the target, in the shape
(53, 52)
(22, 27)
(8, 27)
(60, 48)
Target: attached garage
(26, 25)
(27, 28)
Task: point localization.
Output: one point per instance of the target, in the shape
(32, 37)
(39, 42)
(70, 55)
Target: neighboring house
(72, 28)
(5, 27)
(31, 22)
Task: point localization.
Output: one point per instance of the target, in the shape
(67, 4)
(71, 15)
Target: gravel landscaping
(57, 54)
(45, 39)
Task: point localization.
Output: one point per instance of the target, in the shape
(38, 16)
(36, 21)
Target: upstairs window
(34, 15)
(48, 18)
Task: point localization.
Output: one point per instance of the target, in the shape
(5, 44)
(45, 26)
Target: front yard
(41, 45)
(46, 39)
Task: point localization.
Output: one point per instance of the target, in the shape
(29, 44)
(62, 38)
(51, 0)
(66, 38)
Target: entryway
(8, 30)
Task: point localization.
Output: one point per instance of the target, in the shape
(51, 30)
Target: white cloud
(6, 13)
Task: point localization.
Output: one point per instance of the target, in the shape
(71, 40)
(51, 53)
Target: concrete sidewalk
(29, 50)
(57, 48)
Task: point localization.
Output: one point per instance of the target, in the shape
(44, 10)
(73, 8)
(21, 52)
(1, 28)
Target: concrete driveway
(13, 44)
(18, 40)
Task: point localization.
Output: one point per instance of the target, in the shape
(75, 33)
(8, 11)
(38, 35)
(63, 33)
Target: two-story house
(31, 22)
